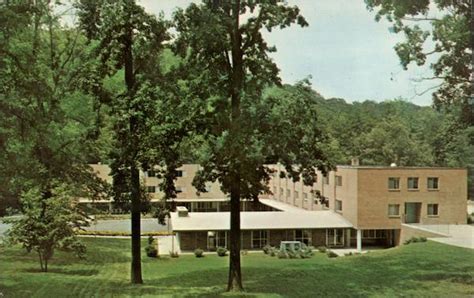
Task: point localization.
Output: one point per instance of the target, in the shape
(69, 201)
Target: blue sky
(345, 51)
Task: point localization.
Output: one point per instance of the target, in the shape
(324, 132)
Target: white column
(359, 240)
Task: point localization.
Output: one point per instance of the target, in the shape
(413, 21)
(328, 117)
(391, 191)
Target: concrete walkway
(458, 235)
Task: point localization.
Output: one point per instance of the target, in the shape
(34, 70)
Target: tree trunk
(235, 275)
(237, 75)
(136, 270)
(41, 261)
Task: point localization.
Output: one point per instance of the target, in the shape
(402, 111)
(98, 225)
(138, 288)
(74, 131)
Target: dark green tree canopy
(452, 32)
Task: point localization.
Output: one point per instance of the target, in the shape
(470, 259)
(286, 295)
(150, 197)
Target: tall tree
(227, 69)
(129, 43)
(451, 27)
(46, 126)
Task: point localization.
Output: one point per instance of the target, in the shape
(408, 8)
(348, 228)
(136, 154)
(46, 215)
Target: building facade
(350, 206)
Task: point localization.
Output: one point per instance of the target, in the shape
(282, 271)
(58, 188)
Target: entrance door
(412, 212)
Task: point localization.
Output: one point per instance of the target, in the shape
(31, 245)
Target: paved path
(458, 235)
(120, 225)
(123, 225)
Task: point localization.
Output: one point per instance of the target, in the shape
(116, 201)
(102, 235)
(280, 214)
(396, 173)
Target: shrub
(322, 249)
(244, 252)
(282, 254)
(331, 254)
(273, 252)
(414, 240)
(221, 251)
(306, 252)
(292, 254)
(150, 249)
(199, 253)
(174, 254)
(150, 240)
(266, 249)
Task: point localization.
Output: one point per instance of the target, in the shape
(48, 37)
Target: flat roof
(281, 206)
(259, 220)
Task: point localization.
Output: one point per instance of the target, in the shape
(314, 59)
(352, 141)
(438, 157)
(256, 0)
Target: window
(394, 183)
(281, 191)
(412, 183)
(288, 193)
(205, 207)
(216, 239)
(296, 195)
(151, 189)
(393, 209)
(326, 179)
(338, 205)
(274, 190)
(259, 238)
(432, 182)
(339, 180)
(304, 236)
(151, 173)
(179, 189)
(179, 173)
(305, 196)
(316, 178)
(335, 237)
(433, 209)
(373, 234)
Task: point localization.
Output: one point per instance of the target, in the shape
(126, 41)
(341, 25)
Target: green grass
(419, 269)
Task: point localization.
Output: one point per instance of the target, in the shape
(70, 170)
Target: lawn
(419, 269)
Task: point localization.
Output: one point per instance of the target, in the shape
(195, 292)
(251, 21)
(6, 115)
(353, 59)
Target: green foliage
(151, 249)
(331, 254)
(221, 251)
(283, 255)
(48, 224)
(47, 124)
(449, 24)
(199, 253)
(266, 249)
(415, 240)
(322, 249)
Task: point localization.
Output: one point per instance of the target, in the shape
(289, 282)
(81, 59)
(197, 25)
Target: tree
(129, 43)
(47, 225)
(391, 142)
(452, 31)
(227, 70)
(46, 124)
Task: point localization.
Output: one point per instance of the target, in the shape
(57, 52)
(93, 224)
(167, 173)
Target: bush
(282, 255)
(322, 249)
(174, 254)
(244, 252)
(414, 240)
(292, 254)
(150, 249)
(306, 252)
(266, 249)
(331, 254)
(199, 253)
(273, 252)
(221, 251)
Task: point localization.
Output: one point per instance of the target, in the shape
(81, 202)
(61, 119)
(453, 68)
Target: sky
(345, 51)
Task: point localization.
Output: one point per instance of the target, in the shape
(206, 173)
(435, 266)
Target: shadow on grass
(78, 272)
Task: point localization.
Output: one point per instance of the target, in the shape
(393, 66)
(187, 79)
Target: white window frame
(336, 201)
